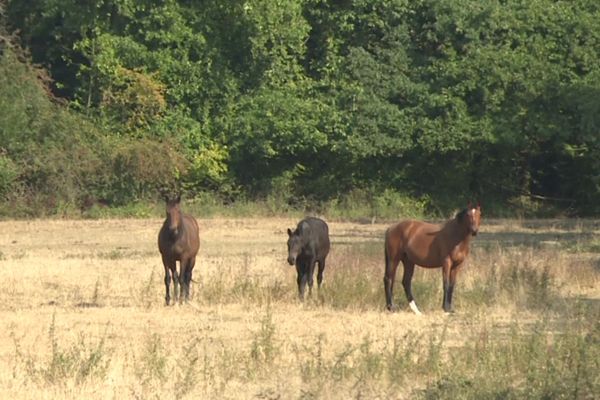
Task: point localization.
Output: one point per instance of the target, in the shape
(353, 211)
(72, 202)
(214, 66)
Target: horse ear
(289, 231)
(164, 193)
(469, 205)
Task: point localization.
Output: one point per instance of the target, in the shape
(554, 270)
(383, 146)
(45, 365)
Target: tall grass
(494, 362)
(528, 363)
(358, 205)
(75, 364)
(533, 365)
(498, 277)
(239, 285)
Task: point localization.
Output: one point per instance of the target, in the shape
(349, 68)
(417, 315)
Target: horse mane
(461, 214)
(458, 217)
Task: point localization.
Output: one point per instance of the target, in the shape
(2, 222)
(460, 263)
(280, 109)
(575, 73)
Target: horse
(307, 246)
(430, 246)
(178, 240)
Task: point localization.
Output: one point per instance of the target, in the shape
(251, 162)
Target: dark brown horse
(430, 246)
(178, 240)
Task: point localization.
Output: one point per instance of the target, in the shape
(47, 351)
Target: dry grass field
(82, 315)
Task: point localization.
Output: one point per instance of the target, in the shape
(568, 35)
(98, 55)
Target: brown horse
(430, 246)
(178, 240)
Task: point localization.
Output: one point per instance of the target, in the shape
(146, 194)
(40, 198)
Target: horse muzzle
(291, 260)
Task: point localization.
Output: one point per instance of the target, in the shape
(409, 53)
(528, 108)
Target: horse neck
(459, 233)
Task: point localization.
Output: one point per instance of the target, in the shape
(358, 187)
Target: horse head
(294, 245)
(470, 218)
(173, 214)
(296, 241)
(473, 218)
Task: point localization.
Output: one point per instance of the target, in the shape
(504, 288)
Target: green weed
(263, 349)
(536, 364)
(152, 365)
(187, 370)
(79, 362)
(148, 290)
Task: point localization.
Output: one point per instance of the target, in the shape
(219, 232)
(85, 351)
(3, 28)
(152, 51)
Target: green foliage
(49, 153)
(8, 175)
(386, 204)
(140, 168)
(135, 100)
(302, 102)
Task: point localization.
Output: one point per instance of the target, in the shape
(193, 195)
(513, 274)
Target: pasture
(82, 315)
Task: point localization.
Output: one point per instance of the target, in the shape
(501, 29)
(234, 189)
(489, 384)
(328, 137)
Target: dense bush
(54, 160)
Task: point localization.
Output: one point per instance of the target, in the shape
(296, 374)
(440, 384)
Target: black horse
(307, 245)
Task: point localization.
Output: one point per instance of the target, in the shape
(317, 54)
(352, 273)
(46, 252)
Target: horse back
(316, 238)
(417, 241)
(408, 230)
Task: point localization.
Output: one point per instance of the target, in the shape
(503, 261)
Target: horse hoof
(391, 307)
(414, 308)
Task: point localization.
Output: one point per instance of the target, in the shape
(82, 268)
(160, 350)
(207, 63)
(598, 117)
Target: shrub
(386, 204)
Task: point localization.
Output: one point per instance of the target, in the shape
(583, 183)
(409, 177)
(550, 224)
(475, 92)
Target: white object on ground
(413, 306)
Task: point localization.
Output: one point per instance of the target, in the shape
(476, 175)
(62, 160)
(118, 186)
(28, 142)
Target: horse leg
(320, 273)
(409, 269)
(446, 268)
(320, 278)
(391, 264)
(170, 269)
(452, 283)
(183, 265)
(188, 277)
(167, 285)
(311, 272)
(176, 286)
(301, 279)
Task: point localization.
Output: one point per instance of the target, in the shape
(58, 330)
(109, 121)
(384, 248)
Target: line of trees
(306, 100)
